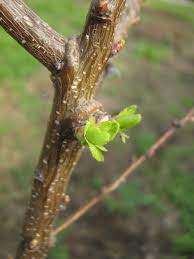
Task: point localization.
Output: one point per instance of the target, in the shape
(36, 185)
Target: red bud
(103, 7)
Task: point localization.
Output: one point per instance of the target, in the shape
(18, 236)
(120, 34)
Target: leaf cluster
(96, 135)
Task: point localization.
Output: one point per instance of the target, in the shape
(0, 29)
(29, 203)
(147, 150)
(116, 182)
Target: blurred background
(151, 215)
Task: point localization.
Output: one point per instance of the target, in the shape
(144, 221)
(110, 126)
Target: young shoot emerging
(127, 119)
(96, 135)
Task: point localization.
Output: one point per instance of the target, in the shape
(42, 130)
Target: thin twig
(115, 184)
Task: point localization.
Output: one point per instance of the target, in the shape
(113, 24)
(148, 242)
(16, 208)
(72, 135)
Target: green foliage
(127, 119)
(100, 133)
(96, 135)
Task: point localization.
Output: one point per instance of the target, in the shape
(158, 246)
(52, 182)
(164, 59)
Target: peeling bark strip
(76, 66)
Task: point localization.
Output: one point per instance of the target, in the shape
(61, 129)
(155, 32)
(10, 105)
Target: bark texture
(76, 66)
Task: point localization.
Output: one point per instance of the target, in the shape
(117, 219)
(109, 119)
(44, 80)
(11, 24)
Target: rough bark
(76, 66)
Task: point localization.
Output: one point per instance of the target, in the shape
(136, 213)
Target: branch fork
(77, 66)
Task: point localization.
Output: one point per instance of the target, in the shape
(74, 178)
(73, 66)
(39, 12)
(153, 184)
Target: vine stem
(107, 190)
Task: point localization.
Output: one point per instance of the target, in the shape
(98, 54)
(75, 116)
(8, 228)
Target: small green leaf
(90, 123)
(96, 136)
(101, 133)
(83, 142)
(102, 148)
(127, 122)
(127, 111)
(96, 153)
(111, 127)
(92, 120)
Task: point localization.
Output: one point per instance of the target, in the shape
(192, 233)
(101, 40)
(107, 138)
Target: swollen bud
(127, 122)
(118, 46)
(103, 7)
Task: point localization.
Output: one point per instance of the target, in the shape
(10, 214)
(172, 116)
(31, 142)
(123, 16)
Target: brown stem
(32, 33)
(107, 190)
(76, 66)
(75, 82)
(59, 155)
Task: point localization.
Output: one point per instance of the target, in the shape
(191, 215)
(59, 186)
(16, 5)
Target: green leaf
(127, 118)
(127, 122)
(96, 153)
(102, 148)
(127, 111)
(100, 133)
(96, 136)
(111, 127)
(90, 123)
(83, 142)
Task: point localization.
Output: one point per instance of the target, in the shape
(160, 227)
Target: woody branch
(76, 66)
